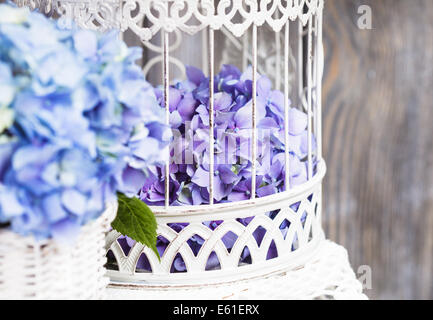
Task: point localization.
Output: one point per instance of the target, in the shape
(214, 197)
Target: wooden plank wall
(378, 140)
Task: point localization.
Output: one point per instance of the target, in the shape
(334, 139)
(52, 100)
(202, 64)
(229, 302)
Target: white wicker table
(326, 276)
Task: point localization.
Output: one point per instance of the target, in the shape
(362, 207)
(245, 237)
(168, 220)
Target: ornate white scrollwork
(189, 16)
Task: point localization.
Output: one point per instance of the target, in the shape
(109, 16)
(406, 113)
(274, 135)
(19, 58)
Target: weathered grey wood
(378, 115)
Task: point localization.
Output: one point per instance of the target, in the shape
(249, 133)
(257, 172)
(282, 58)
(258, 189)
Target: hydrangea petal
(85, 43)
(227, 175)
(229, 70)
(187, 106)
(65, 231)
(194, 75)
(132, 180)
(222, 101)
(266, 191)
(220, 190)
(298, 121)
(74, 201)
(53, 208)
(175, 97)
(9, 204)
(237, 196)
(264, 86)
(201, 177)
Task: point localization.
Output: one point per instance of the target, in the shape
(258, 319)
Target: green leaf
(135, 220)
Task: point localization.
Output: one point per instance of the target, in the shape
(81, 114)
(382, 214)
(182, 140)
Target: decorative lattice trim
(189, 16)
(327, 275)
(290, 226)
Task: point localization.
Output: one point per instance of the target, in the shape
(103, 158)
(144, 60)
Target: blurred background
(378, 140)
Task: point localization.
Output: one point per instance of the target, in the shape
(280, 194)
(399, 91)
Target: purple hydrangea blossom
(189, 170)
(189, 118)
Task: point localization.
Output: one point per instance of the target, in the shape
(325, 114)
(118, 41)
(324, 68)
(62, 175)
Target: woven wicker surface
(47, 270)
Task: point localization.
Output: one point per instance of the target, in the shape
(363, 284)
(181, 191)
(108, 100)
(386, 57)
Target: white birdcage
(279, 38)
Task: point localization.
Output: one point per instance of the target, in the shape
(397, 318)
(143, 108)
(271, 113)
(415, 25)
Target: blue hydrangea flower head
(78, 123)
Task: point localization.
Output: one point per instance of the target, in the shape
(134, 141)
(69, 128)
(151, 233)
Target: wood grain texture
(378, 128)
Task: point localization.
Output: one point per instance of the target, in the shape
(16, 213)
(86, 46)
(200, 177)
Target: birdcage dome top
(190, 16)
